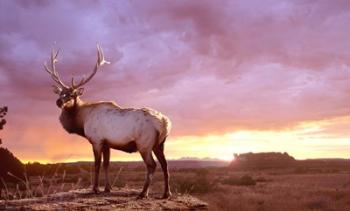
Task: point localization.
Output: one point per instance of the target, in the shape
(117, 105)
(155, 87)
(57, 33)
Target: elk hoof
(95, 190)
(107, 190)
(166, 195)
(142, 196)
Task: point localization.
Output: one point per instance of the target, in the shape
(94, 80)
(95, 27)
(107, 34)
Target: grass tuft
(245, 180)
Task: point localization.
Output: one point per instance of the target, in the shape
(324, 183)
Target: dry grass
(222, 188)
(285, 192)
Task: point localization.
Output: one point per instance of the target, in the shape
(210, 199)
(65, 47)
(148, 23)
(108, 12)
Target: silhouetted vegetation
(38, 169)
(11, 169)
(244, 180)
(3, 112)
(200, 182)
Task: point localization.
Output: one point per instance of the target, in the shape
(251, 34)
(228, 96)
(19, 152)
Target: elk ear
(56, 89)
(80, 91)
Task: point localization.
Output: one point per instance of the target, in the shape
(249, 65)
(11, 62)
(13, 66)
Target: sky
(233, 76)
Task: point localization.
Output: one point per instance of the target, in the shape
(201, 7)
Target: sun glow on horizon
(306, 140)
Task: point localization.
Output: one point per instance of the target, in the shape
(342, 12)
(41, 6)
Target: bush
(200, 183)
(302, 170)
(11, 168)
(245, 180)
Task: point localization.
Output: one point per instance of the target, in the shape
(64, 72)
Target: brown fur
(129, 147)
(72, 112)
(70, 122)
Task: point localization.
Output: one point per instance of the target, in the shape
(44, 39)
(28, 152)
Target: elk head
(68, 93)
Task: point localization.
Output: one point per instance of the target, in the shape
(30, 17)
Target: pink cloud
(212, 67)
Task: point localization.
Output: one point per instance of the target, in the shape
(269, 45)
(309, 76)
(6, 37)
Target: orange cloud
(212, 68)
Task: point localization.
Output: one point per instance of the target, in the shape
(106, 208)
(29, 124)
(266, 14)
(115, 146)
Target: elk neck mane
(74, 112)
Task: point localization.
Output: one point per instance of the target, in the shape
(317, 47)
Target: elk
(106, 125)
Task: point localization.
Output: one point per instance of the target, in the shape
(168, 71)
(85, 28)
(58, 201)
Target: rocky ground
(120, 199)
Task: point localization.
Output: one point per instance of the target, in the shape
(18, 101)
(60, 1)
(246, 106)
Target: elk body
(106, 126)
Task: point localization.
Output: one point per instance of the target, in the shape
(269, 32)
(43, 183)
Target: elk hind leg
(151, 167)
(159, 152)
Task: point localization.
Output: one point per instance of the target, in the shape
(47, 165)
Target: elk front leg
(97, 154)
(106, 157)
(151, 167)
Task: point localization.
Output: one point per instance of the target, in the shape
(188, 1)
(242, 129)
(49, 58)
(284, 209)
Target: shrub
(200, 183)
(301, 170)
(262, 179)
(11, 168)
(245, 180)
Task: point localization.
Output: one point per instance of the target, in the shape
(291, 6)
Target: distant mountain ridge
(172, 164)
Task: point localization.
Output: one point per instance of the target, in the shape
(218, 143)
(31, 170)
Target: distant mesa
(262, 160)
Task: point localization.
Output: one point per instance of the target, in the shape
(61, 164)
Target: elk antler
(53, 72)
(100, 61)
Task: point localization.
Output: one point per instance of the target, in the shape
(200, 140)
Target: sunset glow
(234, 77)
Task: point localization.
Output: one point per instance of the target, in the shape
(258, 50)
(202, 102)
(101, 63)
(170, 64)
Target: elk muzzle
(59, 103)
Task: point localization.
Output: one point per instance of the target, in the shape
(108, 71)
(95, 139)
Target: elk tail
(164, 130)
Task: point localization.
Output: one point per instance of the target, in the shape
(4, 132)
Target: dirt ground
(121, 199)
